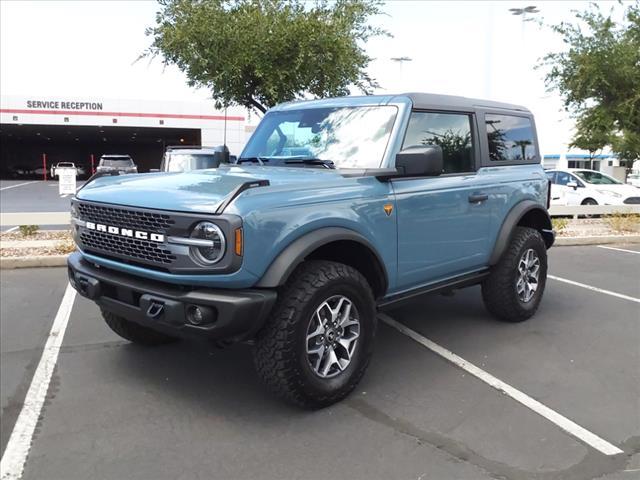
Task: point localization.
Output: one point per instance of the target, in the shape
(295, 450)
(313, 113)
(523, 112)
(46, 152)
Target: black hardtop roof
(431, 100)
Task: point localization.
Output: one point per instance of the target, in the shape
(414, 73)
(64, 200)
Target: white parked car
(634, 179)
(575, 186)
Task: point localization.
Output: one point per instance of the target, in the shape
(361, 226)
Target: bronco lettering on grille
(125, 232)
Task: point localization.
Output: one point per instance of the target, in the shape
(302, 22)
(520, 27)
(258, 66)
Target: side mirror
(420, 161)
(573, 185)
(154, 170)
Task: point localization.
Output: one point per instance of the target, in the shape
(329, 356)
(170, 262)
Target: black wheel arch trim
(295, 253)
(511, 222)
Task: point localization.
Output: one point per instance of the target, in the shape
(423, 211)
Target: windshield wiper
(312, 161)
(259, 160)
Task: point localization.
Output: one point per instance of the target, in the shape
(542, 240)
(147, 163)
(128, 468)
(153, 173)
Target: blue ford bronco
(336, 208)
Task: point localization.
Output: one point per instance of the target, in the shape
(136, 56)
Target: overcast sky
(477, 49)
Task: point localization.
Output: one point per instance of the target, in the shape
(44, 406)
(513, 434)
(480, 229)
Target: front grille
(139, 220)
(632, 200)
(130, 247)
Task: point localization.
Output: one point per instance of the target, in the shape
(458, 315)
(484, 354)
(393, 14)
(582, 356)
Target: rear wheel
(316, 345)
(514, 289)
(589, 201)
(133, 332)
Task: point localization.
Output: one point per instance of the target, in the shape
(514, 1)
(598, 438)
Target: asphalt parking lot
(25, 196)
(187, 411)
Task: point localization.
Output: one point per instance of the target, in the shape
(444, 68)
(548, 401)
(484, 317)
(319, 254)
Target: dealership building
(37, 132)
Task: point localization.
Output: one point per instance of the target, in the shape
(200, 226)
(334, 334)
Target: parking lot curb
(597, 240)
(8, 263)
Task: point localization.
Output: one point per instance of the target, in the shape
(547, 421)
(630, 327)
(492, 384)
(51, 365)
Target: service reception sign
(67, 180)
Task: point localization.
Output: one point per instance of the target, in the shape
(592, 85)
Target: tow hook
(155, 310)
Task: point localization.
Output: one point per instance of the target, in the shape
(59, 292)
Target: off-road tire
(499, 288)
(133, 332)
(280, 350)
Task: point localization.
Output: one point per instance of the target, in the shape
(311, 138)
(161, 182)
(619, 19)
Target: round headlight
(211, 243)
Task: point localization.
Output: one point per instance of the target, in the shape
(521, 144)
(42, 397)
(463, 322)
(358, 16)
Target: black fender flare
(511, 221)
(294, 254)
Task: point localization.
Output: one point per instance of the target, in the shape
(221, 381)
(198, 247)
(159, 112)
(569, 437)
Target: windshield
(596, 178)
(183, 162)
(116, 162)
(350, 137)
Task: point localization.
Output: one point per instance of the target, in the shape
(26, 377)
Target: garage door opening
(29, 151)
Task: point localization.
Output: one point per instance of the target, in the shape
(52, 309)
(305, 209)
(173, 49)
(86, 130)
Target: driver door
(444, 221)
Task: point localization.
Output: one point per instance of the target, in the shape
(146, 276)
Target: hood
(195, 191)
(624, 190)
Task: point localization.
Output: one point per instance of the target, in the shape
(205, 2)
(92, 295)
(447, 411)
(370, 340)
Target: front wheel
(316, 345)
(513, 290)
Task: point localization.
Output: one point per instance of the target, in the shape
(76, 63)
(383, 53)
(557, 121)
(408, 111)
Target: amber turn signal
(238, 242)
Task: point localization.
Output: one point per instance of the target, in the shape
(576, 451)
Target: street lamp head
(401, 59)
(524, 11)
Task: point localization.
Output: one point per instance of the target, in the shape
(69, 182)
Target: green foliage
(257, 53)
(28, 230)
(598, 77)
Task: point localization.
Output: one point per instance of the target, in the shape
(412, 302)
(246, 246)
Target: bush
(28, 230)
(65, 246)
(623, 222)
(559, 224)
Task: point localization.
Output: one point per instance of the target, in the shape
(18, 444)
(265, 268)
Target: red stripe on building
(121, 114)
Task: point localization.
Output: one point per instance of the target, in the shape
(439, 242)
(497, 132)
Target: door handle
(478, 197)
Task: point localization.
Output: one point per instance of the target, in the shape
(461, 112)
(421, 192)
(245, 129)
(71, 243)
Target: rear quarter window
(510, 138)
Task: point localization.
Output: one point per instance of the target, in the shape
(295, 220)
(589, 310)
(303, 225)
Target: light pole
(526, 14)
(400, 61)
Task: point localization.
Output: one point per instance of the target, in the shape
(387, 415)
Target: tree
(598, 77)
(257, 53)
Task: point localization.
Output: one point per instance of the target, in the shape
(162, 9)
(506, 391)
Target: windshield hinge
(237, 191)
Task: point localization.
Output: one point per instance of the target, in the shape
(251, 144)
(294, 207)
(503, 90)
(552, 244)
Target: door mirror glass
(419, 161)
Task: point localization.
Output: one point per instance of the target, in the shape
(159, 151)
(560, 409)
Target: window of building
(450, 131)
(510, 138)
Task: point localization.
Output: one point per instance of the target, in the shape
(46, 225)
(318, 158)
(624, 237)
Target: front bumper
(233, 315)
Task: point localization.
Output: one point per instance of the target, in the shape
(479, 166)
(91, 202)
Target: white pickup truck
(60, 165)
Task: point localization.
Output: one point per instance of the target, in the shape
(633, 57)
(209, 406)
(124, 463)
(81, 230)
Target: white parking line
(595, 289)
(18, 185)
(620, 249)
(564, 423)
(15, 454)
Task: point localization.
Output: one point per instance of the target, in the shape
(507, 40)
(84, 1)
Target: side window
(510, 138)
(562, 178)
(551, 176)
(450, 131)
